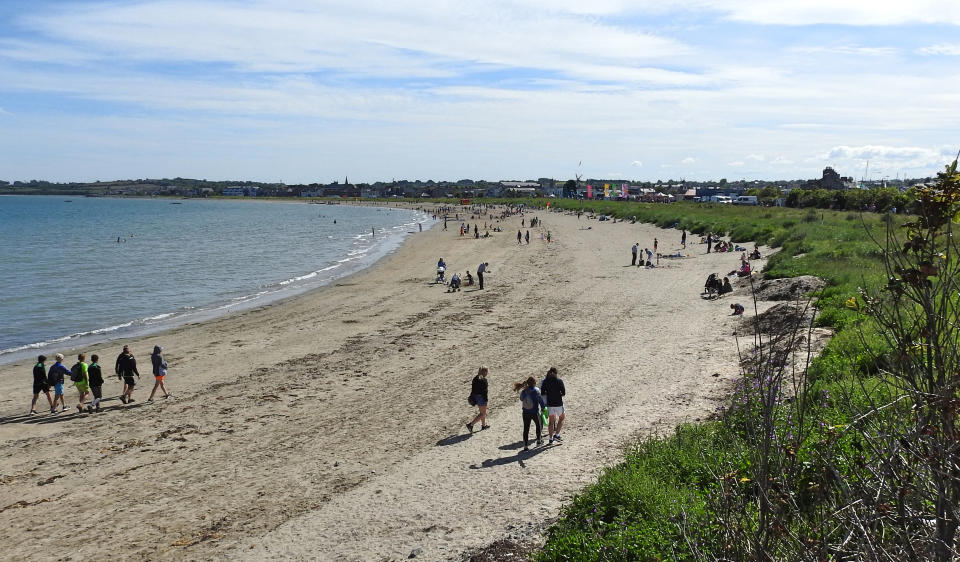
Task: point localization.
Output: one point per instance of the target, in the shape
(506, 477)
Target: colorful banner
(589, 191)
(624, 191)
(606, 190)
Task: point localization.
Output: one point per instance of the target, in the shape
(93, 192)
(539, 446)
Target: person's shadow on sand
(70, 415)
(454, 439)
(517, 458)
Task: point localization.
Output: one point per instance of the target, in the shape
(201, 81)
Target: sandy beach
(331, 426)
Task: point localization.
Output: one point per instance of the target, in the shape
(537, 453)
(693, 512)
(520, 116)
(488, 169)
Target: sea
(76, 270)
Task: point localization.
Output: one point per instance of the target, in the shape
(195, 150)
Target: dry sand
(331, 426)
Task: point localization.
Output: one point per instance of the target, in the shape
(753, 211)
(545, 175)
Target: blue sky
(298, 91)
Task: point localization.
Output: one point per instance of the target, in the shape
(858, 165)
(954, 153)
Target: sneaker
(482, 427)
(33, 412)
(550, 442)
(165, 396)
(539, 442)
(557, 437)
(470, 427)
(123, 399)
(53, 411)
(129, 400)
(526, 449)
(98, 408)
(65, 409)
(89, 408)
(149, 399)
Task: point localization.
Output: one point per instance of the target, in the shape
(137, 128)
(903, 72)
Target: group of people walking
(534, 403)
(88, 380)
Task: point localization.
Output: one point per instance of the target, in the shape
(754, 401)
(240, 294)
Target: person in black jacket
(95, 378)
(478, 397)
(40, 384)
(553, 390)
(126, 368)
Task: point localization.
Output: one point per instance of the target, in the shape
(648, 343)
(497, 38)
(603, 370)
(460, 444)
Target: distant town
(663, 191)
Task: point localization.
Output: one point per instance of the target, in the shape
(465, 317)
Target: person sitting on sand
(755, 254)
(744, 270)
(726, 287)
(455, 282)
(737, 309)
(469, 281)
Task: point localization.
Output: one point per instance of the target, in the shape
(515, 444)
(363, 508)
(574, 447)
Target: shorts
(58, 389)
(38, 388)
(159, 378)
(554, 410)
(480, 400)
(129, 381)
(82, 386)
(97, 392)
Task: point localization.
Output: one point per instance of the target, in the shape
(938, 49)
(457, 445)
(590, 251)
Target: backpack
(530, 399)
(76, 372)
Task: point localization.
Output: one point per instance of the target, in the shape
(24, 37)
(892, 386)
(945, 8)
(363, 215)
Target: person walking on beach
(531, 403)
(159, 372)
(478, 397)
(655, 244)
(519, 238)
(481, 269)
(633, 252)
(526, 237)
(55, 379)
(683, 239)
(126, 368)
(79, 374)
(709, 241)
(40, 384)
(553, 390)
(95, 379)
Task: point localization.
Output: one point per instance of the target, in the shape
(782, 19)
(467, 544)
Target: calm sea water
(66, 279)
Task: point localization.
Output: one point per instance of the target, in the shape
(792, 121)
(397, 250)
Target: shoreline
(331, 424)
(163, 321)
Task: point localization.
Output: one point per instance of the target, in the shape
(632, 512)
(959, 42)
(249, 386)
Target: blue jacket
(56, 372)
(536, 397)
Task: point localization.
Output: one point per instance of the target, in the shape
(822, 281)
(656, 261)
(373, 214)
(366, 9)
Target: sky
(303, 92)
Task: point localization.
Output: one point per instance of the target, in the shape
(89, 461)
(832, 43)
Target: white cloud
(848, 12)
(781, 161)
(735, 164)
(361, 37)
(636, 164)
(853, 50)
(756, 157)
(688, 160)
(948, 49)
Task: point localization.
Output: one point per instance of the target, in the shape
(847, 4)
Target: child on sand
(55, 379)
(553, 390)
(83, 383)
(531, 403)
(95, 378)
(159, 372)
(737, 309)
(40, 384)
(478, 397)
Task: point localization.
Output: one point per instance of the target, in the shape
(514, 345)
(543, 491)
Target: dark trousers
(480, 279)
(97, 391)
(535, 418)
(634, 260)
